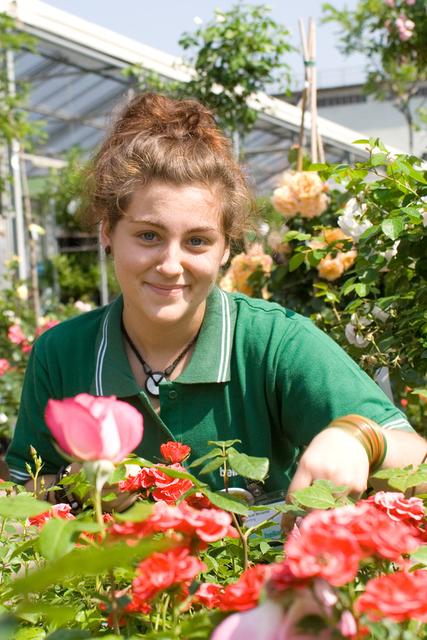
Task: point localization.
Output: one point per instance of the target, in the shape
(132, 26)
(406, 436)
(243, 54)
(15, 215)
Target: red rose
(208, 594)
(167, 488)
(398, 507)
(60, 510)
(398, 596)
(209, 524)
(378, 534)
(162, 570)
(174, 451)
(323, 549)
(244, 594)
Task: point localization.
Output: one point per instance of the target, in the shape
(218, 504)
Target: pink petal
(130, 425)
(260, 623)
(74, 429)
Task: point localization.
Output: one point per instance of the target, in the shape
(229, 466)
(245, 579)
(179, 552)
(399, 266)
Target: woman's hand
(337, 456)
(333, 455)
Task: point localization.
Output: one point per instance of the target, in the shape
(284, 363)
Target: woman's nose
(170, 262)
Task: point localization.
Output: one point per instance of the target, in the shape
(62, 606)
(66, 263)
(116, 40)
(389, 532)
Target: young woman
(198, 363)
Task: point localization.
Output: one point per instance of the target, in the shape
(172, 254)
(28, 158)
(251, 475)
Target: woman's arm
(338, 456)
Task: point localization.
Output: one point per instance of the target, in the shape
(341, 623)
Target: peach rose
(243, 266)
(330, 268)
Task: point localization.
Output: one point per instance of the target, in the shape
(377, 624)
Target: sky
(160, 23)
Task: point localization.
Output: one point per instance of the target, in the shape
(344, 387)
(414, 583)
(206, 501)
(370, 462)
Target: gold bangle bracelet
(369, 434)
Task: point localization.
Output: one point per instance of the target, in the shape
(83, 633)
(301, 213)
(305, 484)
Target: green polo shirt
(258, 372)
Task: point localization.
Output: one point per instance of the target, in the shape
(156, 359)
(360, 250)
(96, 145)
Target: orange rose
(330, 268)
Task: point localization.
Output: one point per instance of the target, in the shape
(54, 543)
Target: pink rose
(4, 366)
(16, 335)
(94, 428)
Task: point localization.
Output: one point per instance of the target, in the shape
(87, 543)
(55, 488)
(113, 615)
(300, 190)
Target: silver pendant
(152, 383)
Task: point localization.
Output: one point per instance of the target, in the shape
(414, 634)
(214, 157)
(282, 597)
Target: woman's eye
(197, 242)
(148, 236)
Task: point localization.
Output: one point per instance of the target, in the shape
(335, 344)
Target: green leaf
(361, 289)
(296, 260)
(58, 615)
(211, 454)
(393, 227)
(56, 538)
(137, 513)
(296, 235)
(403, 479)
(184, 475)
(70, 634)
(226, 502)
(379, 159)
(319, 495)
(87, 561)
(224, 443)
(419, 392)
(248, 466)
(22, 506)
(420, 555)
(213, 465)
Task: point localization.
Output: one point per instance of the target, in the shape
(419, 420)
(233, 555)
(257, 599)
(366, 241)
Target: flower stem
(243, 540)
(97, 504)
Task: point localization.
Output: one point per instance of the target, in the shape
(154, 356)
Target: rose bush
(189, 567)
(358, 268)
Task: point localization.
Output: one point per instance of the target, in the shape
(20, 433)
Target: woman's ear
(225, 256)
(104, 235)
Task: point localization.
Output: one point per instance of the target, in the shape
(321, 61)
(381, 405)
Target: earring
(107, 250)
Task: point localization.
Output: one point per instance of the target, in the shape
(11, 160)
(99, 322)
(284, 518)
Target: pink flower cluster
(4, 366)
(405, 27)
(16, 335)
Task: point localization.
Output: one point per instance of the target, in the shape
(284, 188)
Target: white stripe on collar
(100, 357)
(225, 338)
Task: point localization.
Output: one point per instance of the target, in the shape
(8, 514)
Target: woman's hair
(172, 141)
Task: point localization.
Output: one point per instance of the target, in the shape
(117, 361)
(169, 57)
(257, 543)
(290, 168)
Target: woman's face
(167, 252)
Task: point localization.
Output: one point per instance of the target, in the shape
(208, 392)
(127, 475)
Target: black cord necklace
(154, 378)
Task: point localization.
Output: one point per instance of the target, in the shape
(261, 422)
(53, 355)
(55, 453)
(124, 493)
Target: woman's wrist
(368, 433)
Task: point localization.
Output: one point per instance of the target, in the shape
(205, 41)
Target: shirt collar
(210, 361)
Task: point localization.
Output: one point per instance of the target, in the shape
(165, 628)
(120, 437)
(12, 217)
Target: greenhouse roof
(77, 79)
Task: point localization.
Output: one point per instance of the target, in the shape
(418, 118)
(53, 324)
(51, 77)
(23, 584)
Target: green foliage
(397, 58)
(236, 54)
(14, 123)
(376, 308)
